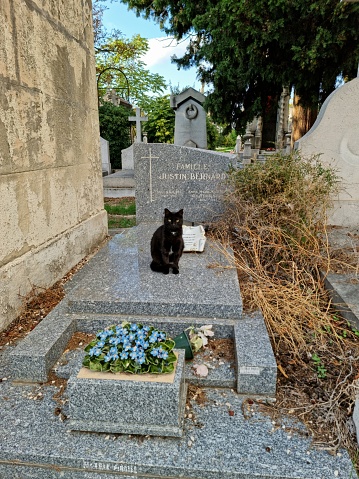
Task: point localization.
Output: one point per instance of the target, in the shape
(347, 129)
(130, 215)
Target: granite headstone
(175, 177)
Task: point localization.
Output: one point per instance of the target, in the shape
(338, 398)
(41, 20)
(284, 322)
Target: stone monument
(335, 137)
(190, 121)
(178, 177)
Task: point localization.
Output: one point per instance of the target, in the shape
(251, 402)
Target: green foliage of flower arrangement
(131, 348)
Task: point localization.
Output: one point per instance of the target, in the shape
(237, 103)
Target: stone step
(119, 185)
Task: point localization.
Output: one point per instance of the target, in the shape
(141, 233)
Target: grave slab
(35, 443)
(128, 404)
(118, 280)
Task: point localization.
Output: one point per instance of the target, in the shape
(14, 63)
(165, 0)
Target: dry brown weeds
(281, 253)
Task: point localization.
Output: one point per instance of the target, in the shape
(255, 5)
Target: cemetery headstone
(173, 177)
(190, 120)
(335, 137)
(105, 156)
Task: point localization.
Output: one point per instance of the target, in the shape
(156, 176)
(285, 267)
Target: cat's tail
(156, 267)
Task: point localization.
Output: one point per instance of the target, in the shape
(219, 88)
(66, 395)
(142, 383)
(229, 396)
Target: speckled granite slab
(36, 442)
(256, 365)
(149, 404)
(175, 177)
(34, 356)
(119, 280)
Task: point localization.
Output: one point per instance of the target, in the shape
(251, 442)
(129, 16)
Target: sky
(158, 58)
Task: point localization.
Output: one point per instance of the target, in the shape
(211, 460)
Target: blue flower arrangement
(131, 348)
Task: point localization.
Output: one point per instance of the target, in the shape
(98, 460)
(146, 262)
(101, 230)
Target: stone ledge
(255, 362)
(32, 359)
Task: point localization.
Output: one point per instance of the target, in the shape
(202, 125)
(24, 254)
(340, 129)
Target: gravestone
(105, 156)
(335, 137)
(190, 119)
(174, 177)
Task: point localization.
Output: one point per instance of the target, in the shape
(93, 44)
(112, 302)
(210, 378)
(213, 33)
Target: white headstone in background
(105, 155)
(127, 158)
(335, 136)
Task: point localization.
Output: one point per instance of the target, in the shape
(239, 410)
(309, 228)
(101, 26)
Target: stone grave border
(255, 366)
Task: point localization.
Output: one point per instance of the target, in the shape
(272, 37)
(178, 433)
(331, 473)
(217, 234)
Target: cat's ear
(180, 212)
(167, 212)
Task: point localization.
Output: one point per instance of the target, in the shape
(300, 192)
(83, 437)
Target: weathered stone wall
(51, 202)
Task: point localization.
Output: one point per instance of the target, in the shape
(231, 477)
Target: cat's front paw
(175, 270)
(165, 270)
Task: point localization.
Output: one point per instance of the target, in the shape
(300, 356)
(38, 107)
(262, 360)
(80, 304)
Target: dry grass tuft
(275, 222)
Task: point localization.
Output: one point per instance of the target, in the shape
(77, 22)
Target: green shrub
(115, 128)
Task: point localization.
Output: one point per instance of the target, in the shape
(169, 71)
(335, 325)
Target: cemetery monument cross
(138, 118)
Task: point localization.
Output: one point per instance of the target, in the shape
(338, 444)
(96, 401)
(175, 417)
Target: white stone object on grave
(105, 155)
(194, 238)
(138, 118)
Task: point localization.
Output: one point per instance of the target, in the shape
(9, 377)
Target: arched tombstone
(190, 120)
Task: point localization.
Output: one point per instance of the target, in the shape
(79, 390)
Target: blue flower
(133, 327)
(124, 355)
(154, 352)
(161, 336)
(141, 360)
(141, 334)
(113, 350)
(115, 340)
(145, 344)
(114, 356)
(132, 336)
(153, 337)
(95, 351)
(162, 353)
(107, 358)
(119, 330)
(139, 343)
(133, 354)
(102, 335)
(100, 344)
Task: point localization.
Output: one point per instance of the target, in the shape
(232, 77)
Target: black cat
(167, 243)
